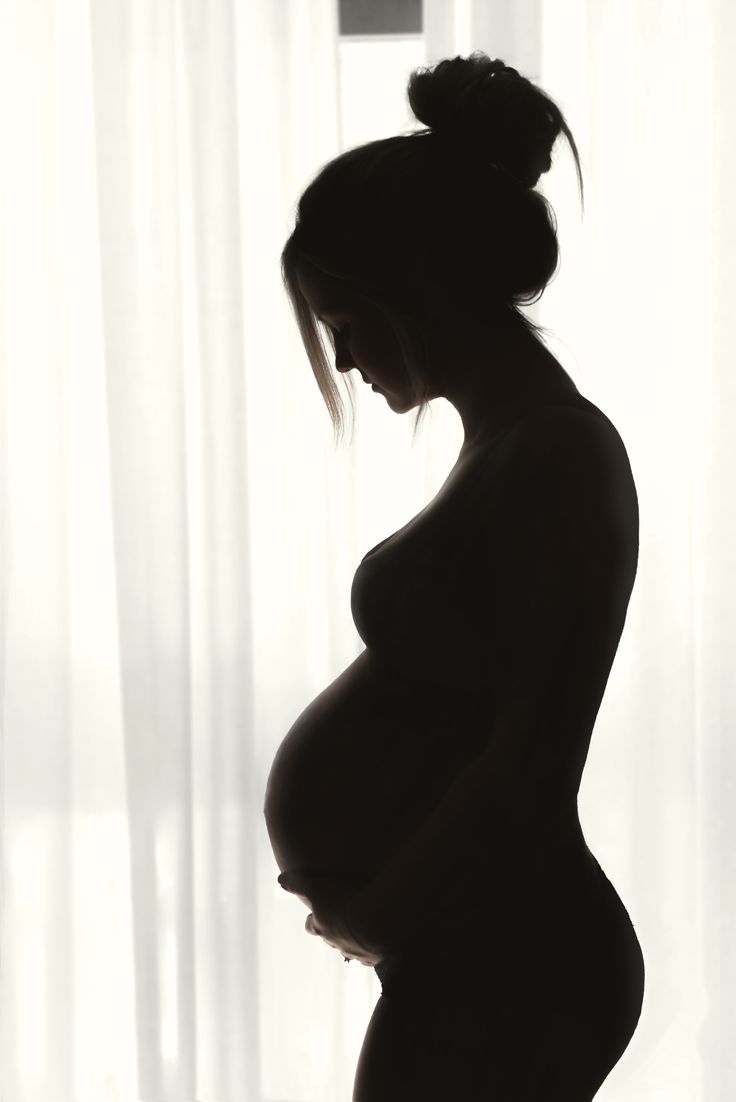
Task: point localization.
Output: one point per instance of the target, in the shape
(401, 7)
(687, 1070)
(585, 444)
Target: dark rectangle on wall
(380, 17)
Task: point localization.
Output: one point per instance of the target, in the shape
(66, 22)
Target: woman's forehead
(310, 279)
(324, 293)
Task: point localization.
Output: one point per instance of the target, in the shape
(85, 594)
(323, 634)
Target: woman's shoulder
(572, 429)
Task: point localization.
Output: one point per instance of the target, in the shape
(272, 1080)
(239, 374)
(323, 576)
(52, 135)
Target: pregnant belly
(360, 768)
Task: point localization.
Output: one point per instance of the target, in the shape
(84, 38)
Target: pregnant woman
(424, 805)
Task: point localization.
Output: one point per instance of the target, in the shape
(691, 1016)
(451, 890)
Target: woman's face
(480, 367)
(364, 340)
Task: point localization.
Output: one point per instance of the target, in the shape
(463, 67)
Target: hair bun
(486, 106)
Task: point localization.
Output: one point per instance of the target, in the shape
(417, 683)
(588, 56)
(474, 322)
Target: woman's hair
(451, 207)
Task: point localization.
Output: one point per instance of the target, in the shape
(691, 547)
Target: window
(365, 17)
(380, 58)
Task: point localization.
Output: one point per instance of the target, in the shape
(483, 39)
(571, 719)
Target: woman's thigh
(445, 1053)
(537, 1021)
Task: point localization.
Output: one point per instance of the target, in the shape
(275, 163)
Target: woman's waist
(557, 886)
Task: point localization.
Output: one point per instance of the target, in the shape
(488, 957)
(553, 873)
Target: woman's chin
(397, 403)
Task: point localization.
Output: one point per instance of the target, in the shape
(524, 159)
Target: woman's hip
(577, 951)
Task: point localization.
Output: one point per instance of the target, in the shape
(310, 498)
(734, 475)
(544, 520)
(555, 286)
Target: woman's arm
(496, 820)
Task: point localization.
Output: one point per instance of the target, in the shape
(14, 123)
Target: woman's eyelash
(336, 332)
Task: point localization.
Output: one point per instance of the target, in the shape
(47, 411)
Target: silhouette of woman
(424, 805)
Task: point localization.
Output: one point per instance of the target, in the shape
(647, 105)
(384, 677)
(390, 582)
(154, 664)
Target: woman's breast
(360, 768)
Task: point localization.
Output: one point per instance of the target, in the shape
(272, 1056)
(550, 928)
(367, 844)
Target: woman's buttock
(579, 952)
(515, 1010)
(533, 1011)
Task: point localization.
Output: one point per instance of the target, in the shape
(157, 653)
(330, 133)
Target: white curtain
(178, 536)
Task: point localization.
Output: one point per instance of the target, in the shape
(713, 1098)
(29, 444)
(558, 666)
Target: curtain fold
(177, 535)
(143, 210)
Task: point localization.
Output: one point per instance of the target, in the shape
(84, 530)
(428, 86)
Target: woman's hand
(332, 918)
